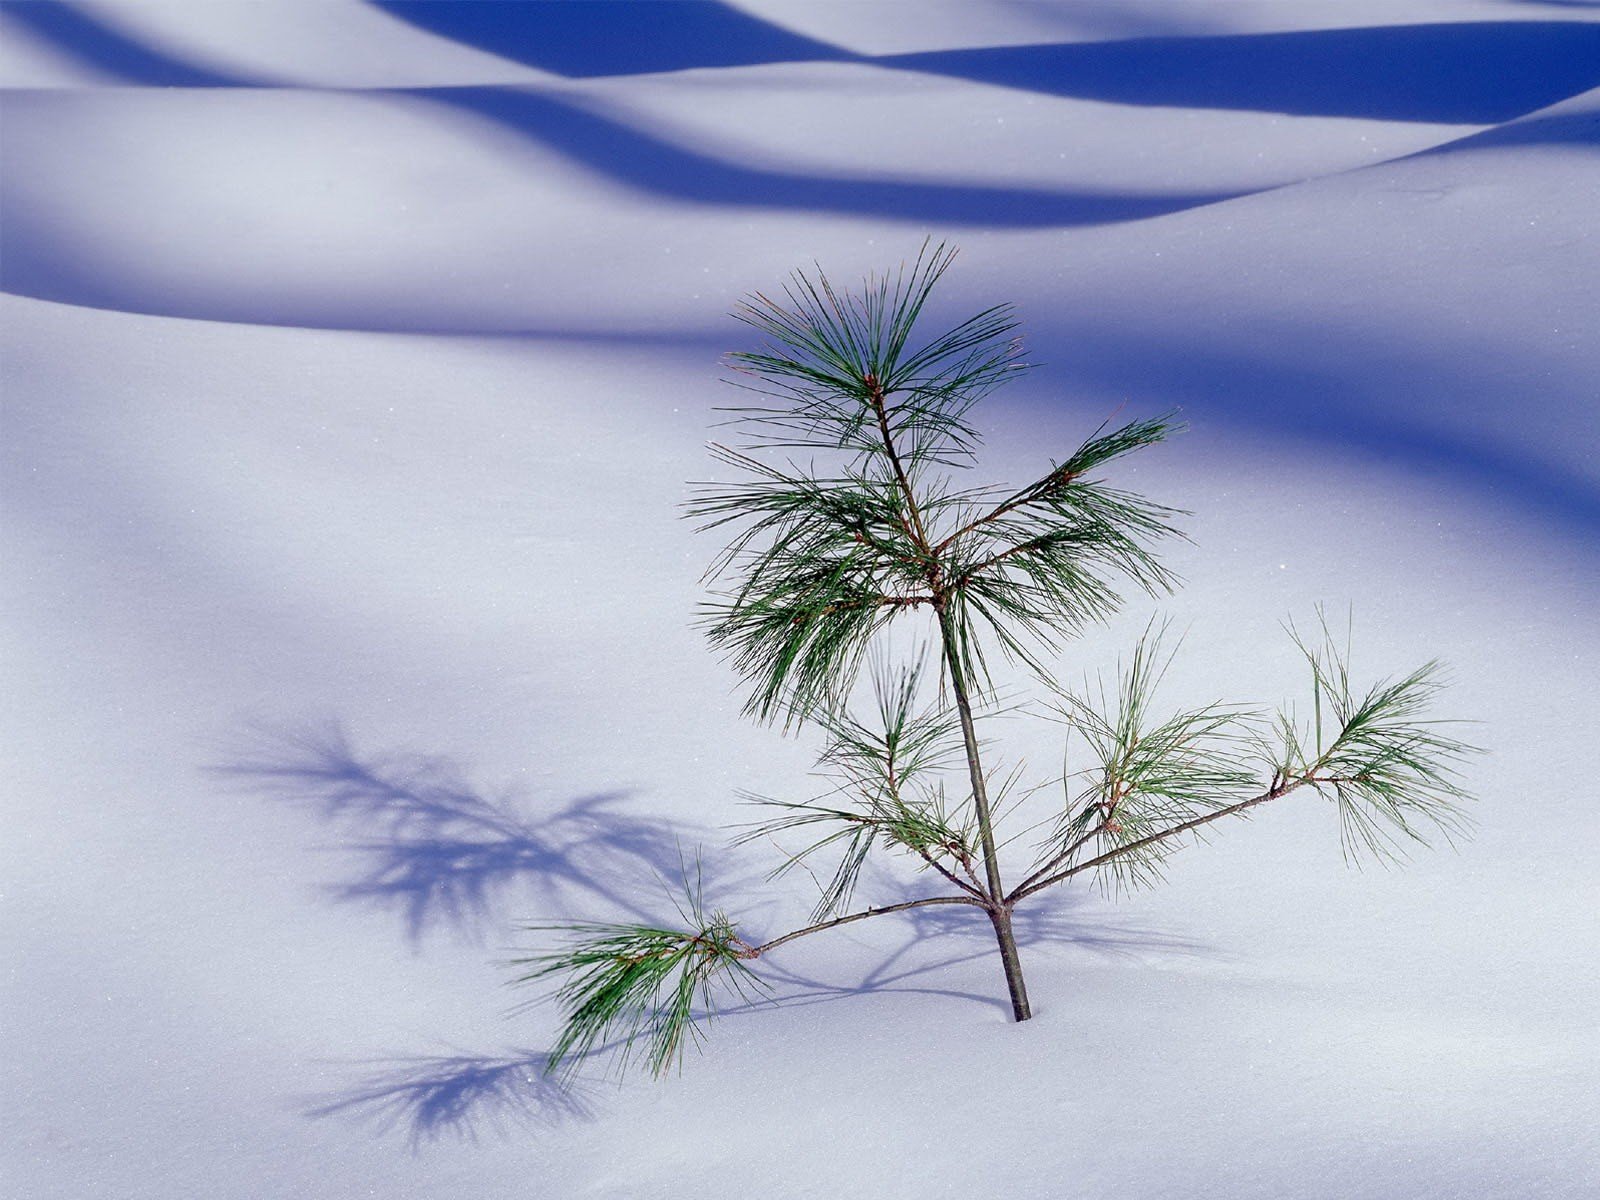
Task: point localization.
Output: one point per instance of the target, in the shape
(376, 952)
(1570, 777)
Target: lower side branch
(757, 951)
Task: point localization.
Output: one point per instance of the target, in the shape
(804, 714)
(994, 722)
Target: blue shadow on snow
(1464, 73)
(1471, 72)
(613, 37)
(1468, 73)
(101, 46)
(660, 168)
(460, 1095)
(1254, 393)
(442, 853)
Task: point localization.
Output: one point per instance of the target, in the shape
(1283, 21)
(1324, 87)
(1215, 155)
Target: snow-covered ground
(355, 358)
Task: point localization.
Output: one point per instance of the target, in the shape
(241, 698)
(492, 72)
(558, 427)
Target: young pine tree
(878, 529)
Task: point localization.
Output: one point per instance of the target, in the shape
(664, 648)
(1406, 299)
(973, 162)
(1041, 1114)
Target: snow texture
(355, 357)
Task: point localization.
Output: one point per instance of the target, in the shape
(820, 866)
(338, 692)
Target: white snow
(352, 373)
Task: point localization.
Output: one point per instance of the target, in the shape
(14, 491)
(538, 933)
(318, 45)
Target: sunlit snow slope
(355, 356)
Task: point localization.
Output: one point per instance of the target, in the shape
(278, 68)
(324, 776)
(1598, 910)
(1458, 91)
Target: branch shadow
(463, 1096)
(444, 855)
(963, 935)
(466, 1096)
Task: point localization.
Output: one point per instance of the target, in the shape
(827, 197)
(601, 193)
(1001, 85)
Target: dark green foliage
(823, 557)
(1041, 562)
(821, 566)
(830, 352)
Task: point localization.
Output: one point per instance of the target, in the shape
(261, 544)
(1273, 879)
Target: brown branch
(1107, 822)
(757, 951)
(1025, 890)
(1026, 496)
(1064, 857)
(995, 559)
(994, 889)
(875, 397)
(964, 857)
(969, 737)
(862, 537)
(952, 876)
(892, 780)
(849, 605)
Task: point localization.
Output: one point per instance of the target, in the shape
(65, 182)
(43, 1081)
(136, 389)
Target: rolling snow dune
(354, 360)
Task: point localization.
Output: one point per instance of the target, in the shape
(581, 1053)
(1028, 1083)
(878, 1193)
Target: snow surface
(355, 358)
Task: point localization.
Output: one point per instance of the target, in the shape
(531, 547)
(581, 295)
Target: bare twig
(758, 951)
(1025, 889)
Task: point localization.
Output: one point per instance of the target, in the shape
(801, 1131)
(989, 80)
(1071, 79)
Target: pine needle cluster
(1151, 772)
(1392, 769)
(637, 987)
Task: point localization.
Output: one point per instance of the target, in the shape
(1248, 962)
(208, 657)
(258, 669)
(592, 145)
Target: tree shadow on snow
(463, 1095)
(466, 1096)
(444, 855)
(935, 940)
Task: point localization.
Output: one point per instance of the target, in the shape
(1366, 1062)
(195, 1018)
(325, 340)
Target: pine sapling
(875, 531)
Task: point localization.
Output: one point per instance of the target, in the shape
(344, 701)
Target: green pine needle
(823, 558)
(1151, 773)
(647, 989)
(828, 349)
(1392, 770)
(884, 789)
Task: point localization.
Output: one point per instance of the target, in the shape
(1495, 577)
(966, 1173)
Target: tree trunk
(1012, 964)
(999, 914)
